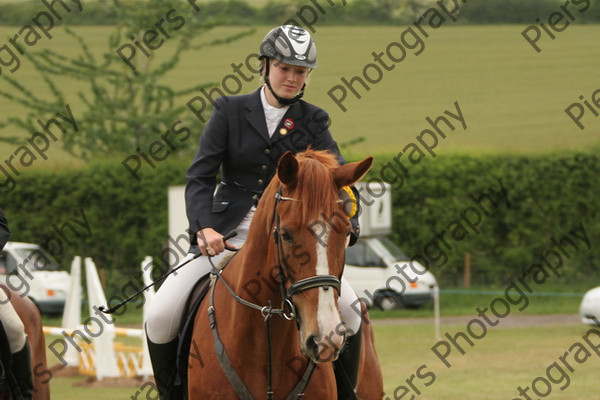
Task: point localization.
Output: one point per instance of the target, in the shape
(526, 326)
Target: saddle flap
(185, 333)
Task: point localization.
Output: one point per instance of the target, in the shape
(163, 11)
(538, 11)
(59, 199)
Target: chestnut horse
(281, 344)
(32, 320)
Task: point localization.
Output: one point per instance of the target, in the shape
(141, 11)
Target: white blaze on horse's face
(330, 339)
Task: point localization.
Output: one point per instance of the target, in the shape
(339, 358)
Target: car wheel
(388, 301)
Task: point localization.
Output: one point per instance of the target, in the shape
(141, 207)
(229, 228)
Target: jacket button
(267, 151)
(260, 181)
(263, 167)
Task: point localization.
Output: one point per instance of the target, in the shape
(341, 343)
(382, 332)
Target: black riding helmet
(292, 45)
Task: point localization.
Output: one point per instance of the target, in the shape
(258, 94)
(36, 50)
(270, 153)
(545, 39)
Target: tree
(125, 105)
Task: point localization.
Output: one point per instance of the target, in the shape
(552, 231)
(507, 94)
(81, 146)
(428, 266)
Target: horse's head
(311, 228)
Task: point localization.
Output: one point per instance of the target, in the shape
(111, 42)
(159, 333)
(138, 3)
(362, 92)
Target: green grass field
(512, 98)
(493, 369)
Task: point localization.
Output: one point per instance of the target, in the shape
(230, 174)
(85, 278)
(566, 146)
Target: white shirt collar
(273, 115)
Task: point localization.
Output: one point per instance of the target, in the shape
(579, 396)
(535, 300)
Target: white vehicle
(31, 271)
(383, 276)
(590, 307)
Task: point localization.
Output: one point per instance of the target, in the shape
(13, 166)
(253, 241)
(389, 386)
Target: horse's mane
(315, 190)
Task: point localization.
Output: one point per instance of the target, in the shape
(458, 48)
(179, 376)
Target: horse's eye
(287, 236)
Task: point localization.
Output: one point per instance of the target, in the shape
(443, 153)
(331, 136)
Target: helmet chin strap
(282, 101)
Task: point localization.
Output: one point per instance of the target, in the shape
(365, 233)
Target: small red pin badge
(288, 123)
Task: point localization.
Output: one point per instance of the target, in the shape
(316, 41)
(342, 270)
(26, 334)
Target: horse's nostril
(311, 344)
(320, 351)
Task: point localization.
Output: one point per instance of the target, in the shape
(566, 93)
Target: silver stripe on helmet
(299, 39)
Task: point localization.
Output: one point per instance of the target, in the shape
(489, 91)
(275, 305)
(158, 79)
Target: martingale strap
(298, 391)
(234, 379)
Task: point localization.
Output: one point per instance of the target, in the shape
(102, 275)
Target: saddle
(196, 296)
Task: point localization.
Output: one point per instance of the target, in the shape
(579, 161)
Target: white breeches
(13, 326)
(168, 305)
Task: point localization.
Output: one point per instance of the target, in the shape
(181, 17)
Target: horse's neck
(254, 273)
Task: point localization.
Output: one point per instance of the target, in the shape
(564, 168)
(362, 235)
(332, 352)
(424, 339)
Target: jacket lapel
(256, 115)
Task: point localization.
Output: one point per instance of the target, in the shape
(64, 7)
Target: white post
(146, 369)
(436, 311)
(106, 360)
(71, 317)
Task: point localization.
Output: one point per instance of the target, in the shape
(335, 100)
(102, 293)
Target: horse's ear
(348, 174)
(287, 169)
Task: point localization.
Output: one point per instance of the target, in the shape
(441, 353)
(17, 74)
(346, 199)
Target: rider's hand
(211, 242)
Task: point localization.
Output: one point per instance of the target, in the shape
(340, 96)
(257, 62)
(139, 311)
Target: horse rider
(245, 137)
(15, 332)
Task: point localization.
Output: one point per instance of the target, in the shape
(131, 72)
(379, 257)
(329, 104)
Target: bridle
(324, 281)
(287, 310)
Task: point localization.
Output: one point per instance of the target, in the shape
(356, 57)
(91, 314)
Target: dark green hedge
(128, 219)
(239, 12)
(549, 195)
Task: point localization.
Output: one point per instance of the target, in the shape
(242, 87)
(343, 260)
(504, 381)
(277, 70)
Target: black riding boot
(346, 367)
(164, 365)
(21, 369)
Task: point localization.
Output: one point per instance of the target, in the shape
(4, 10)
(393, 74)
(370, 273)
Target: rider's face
(286, 80)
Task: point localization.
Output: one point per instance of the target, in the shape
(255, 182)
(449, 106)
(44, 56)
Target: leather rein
(287, 310)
